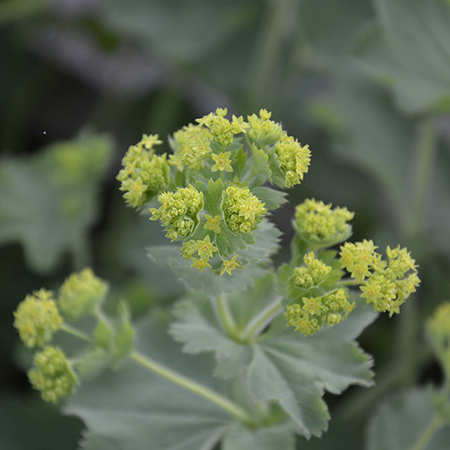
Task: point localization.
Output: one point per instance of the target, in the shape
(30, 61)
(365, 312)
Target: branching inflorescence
(210, 197)
(206, 189)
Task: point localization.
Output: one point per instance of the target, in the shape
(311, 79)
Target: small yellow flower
(201, 264)
(222, 162)
(229, 265)
(205, 249)
(213, 223)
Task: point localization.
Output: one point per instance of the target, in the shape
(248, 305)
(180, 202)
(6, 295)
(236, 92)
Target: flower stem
(261, 320)
(75, 332)
(437, 422)
(199, 389)
(224, 315)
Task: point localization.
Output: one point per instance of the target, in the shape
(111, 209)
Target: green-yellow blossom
(384, 284)
(221, 128)
(178, 211)
(312, 274)
(191, 145)
(242, 210)
(222, 162)
(52, 375)
(200, 264)
(263, 131)
(320, 226)
(143, 173)
(309, 314)
(293, 159)
(37, 318)
(81, 294)
(229, 265)
(213, 223)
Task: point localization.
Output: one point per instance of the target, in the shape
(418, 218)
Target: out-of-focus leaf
(411, 46)
(376, 137)
(329, 28)
(42, 208)
(401, 422)
(174, 29)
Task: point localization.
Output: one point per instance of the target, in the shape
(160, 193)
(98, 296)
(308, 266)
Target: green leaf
(255, 255)
(284, 366)
(174, 28)
(199, 330)
(272, 198)
(378, 138)
(411, 46)
(295, 370)
(272, 438)
(403, 421)
(212, 194)
(135, 409)
(39, 209)
(124, 335)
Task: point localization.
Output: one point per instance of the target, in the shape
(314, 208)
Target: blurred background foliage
(366, 83)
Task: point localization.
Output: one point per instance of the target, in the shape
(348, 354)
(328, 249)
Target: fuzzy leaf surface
(284, 366)
(257, 254)
(134, 409)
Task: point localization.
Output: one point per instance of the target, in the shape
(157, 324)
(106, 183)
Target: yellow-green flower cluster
(311, 275)
(37, 318)
(385, 284)
(81, 294)
(143, 173)
(179, 211)
(293, 159)
(263, 131)
(192, 146)
(308, 315)
(221, 128)
(203, 248)
(52, 375)
(242, 210)
(320, 225)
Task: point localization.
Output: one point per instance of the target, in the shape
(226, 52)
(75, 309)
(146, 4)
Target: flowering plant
(246, 356)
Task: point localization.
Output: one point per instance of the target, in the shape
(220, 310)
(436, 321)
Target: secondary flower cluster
(205, 189)
(144, 173)
(318, 291)
(41, 315)
(320, 225)
(178, 211)
(384, 284)
(315, 299)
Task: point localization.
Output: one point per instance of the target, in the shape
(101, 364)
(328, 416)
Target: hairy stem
(224, 315)
(75, 332)
(233, 408)
(261, 320)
